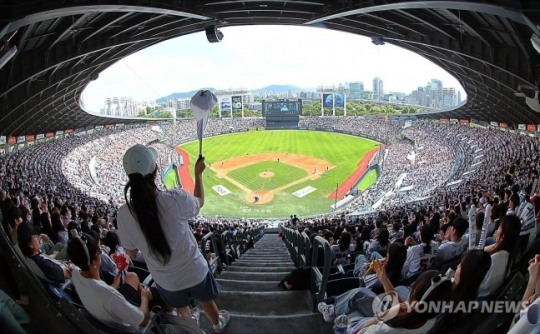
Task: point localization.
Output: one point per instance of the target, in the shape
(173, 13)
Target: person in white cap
(156, 222)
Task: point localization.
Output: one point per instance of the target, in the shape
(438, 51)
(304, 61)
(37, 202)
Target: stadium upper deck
(50, 50)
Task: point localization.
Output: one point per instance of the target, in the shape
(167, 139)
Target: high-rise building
(436, 84)
(378, 89)
(356, 90)
(448, 97)
(119, 106)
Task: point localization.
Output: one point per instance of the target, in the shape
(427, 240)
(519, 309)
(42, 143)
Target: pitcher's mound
(260, 197)
(266, 175)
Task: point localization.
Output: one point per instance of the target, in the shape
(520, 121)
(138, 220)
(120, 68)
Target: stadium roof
(62, 45)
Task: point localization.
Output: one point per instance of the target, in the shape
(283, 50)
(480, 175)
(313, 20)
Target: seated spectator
(469, 274)
(503, 252)
(421, 257)
(124, 306)
(13, 318)
(379, 246)
(453, 245)
(527, 319)
(340, 252)
(358, 304)
(55, 271)
(395, 260)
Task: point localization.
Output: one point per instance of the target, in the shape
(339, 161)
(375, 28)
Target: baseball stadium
(232, 211)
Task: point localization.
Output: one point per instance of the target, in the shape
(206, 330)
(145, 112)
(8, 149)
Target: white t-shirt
(382, 328)
(449, 250)
(106, 304)
(418, 261)
(187, 267)
(496, 273)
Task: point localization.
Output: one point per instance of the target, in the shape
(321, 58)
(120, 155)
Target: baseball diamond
(263, 169)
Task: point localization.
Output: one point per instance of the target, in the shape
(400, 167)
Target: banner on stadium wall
(521, 127)
(59, 132)
(21, 139)
(12, 140)
(49, 134)
(328, 100)
(3, 140)
(237, 103)
(496, 124)
(225, 104)
(503, 125)
(444, 120)
(100, 127)
(120, 125)
(90, 131)
(531, 127)
(40, 136)
(30, 138)
(453, 121)
(464, 121)
(339, 100)
(68, 131)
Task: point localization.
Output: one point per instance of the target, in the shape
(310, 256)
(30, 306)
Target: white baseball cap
(140, 159)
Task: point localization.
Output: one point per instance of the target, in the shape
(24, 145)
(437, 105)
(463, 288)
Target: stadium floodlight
(8, 56)
(213, 34)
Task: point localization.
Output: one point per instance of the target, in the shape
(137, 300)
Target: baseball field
(274, 174)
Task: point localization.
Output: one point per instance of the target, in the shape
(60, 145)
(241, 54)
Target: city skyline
(257, 56)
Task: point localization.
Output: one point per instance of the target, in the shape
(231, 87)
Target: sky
(252, 57)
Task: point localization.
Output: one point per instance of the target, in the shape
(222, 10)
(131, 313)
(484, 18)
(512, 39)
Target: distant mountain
(267, 89)
(181, 95)
(277, 89)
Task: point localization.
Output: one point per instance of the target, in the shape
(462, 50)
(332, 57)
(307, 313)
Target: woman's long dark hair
(474, 265)
(142, 204)
(344, 241)
(413, 319)
(397, 254)
(511, 226)
(426, 234)
(383, 237)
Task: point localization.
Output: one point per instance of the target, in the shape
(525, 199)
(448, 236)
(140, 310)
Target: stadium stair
(251, 294)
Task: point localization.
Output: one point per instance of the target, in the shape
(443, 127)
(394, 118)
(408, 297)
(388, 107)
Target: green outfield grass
(368, 180)
(341, 150)
(284, 173)
(170, 179)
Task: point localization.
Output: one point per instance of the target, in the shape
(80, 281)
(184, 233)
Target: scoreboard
(282, 108)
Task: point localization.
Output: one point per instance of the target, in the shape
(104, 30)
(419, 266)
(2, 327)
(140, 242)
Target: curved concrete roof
(63, 45)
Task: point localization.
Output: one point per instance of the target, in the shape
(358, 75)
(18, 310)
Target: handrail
(306, 254)
(224, 242)
(319, 280)
(215, 263)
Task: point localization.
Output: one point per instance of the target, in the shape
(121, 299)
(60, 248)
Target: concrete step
(241, 285)
(254, 276)
(263, 262)
(262, 269)
(311, 323)
(268, 303)
(282, 264)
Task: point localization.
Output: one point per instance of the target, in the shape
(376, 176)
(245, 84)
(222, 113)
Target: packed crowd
(55, 197)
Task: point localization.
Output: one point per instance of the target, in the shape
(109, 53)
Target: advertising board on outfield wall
(21, 139)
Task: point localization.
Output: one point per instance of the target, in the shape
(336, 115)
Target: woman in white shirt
(156, 223)
(503, 252)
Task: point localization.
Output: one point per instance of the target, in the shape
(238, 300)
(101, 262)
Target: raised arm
(199, 189)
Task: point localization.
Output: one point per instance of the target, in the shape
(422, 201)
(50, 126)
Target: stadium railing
(214, 263)
(319, 280)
